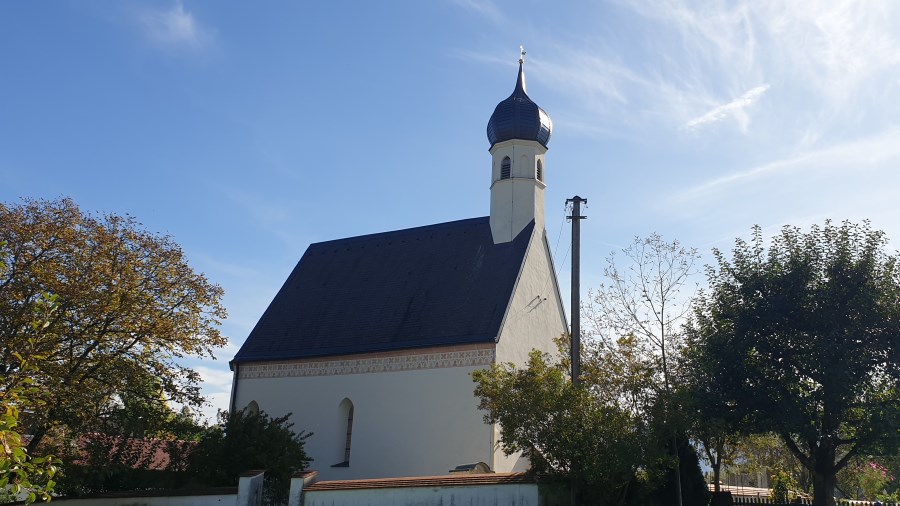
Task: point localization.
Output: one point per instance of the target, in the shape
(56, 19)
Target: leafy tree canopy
(246, 440)
(128, 306)
(803, 340)
(565, 431)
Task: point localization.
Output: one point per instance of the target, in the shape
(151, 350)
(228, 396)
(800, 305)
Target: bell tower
(518, 131)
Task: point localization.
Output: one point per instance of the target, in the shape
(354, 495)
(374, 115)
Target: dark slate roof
(518, 117)
(438, 285)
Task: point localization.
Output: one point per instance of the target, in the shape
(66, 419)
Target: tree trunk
(824, 481)
(36, 437)
(717, 468)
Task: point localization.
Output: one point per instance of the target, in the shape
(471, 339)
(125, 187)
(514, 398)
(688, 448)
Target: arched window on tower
(539, 171)
(345, 411)
(505, 166)
(252, 408)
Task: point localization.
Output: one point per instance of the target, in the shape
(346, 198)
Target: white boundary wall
(481, 495)
(187, 500)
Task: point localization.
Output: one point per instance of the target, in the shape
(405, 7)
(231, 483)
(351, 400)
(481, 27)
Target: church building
(372, 340)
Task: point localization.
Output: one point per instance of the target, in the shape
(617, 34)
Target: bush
(247, 440)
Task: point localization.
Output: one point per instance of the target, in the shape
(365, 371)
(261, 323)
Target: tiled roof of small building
(437, 285)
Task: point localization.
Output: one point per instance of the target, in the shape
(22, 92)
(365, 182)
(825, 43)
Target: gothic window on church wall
(252, 408)
(505, 168)
(539, 171)
(346, 418)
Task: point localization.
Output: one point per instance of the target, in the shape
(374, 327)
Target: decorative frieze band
(362, 365)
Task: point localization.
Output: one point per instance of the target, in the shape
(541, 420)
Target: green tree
(142, 411)
(644, 301)
(19, 471)
(566, 432)
(246, 440)
(717, 442)
(767, 453)
(638, 313)
(128, 308)
(803, 340)
(715, 429)
(864, 478)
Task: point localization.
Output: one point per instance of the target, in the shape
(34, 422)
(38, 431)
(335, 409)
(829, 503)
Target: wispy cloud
(734, 108)
(484, 8)
(832, 51)
(175, 29)
(876, 152)
(687, 58)
(216, 387)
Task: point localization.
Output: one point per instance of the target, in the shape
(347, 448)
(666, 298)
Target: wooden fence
(742, 500)
(749, 500)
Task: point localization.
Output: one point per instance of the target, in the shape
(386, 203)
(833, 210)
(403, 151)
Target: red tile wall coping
(466, 480)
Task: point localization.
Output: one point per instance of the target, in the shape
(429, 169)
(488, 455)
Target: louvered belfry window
(505, 168)
(540, 171)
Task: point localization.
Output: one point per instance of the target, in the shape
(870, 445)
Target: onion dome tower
(518, 131)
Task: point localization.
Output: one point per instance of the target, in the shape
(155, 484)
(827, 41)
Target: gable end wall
(534, 318)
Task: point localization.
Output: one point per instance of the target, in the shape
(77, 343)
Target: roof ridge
(403, 231)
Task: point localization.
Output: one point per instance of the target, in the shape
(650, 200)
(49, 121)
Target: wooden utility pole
(575, 330)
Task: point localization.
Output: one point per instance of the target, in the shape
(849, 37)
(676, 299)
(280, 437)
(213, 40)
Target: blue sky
(248, 130)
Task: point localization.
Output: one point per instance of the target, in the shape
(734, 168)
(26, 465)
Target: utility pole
(576, 218)
(575, 328)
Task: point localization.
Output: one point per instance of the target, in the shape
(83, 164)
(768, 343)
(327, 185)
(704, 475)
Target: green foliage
(128, 307)
(100, 464)
(246, 440)
(782, 484)
(633, 356)
(865, 478)
(19, 471)
(120, 459)
(661, 491)
(803, 340)
(142, 411)
(756, 453)
(567, 432)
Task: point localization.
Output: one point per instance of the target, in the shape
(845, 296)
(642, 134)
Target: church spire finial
(520, 81)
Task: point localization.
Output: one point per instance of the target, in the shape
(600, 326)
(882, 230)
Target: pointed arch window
(346, 417)
(505, 168)
(539, 171)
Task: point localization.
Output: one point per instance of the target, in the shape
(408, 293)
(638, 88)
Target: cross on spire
(521, 54)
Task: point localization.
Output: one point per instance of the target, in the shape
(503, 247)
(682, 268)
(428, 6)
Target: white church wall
(534, 318)
(414, 412)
